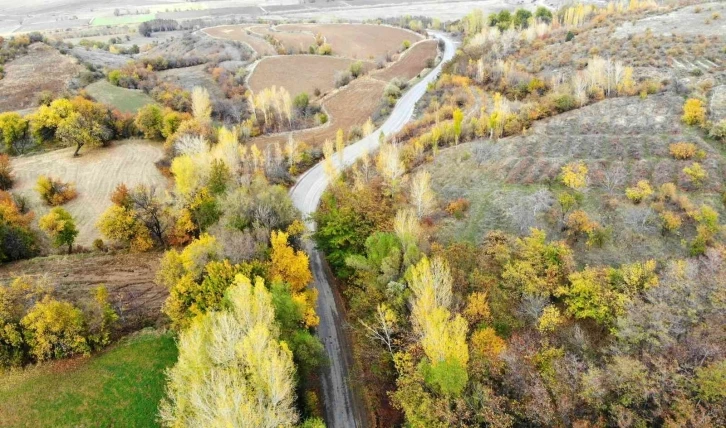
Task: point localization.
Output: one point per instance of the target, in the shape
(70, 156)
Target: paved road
(343, 408)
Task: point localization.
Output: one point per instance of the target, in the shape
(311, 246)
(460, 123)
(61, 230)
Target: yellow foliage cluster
(682, 150)
(640, 192)
(694, 112)
(293, 268)
(55, 192)
(574, 175)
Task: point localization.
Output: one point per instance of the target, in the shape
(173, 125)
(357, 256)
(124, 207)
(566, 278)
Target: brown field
(411, 63)
(42, 69)
(239, 33)
(347, 108)
(129, 279)
(299, 73)
(358, 40)
(96, 173)
(295, 42)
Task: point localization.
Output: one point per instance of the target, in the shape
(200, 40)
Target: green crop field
(125, 100)
(120, 387)
(121, 20)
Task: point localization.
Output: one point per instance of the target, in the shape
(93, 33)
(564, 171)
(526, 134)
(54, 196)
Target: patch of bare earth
(360, 41)
(129, 279)
(411, 63)
(299, 73)
(96, 173)
(42, 69)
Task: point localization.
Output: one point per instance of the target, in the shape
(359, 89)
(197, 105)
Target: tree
(13, 128)
(574, 175)
(120, 224)
(6, 173)
(288, 265)
(201, 106)
(389, 165)
(59, 225)
(55, 329)
(54, 192)
(232, 369)
(301, 102)
(694, 112)
(149, 120)
(458, 119)
(422, 197)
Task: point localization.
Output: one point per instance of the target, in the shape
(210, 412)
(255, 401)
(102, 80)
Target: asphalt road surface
(343, 409)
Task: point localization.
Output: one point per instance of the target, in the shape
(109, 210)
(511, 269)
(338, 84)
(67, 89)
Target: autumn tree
(87, 125)
(55, 329)
(293, 268)
(60, 226)
(201, 106)
(233, 354)
(694, 112)
(421, 195)
(13, 128)
(55, 192)
(574, 175)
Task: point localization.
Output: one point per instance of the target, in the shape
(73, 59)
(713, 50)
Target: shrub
(6, 172)
(670, 221)
(406, 44)
(682, 150)
(641, 191)
(696, 173)
(694, 112)
(458, 207)
(342, 78)
(325, 49)
(356, 69)
(574, 175)
(668, 191)
(55, 329)
(564, 102)
(718, 130)
(54, 192)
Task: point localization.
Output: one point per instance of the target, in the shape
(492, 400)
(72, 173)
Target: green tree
(13, 128)
(150, 122)
(60, 226)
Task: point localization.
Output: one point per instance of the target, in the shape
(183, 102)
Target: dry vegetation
(95, 174)
(42, 69)
(241, 33)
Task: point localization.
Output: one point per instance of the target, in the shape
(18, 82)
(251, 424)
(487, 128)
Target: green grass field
(125, 100)
(120, 20)
(120, 387)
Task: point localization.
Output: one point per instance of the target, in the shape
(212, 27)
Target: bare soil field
(411, 63)
(293, 42)
(510, 182)
(299, 73)
(42, 69)
(239, 33)
(359, 41)
(707, 19)
(129, 279)
(347, 108)
(96, 173)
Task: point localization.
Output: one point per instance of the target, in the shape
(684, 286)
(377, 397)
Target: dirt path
(342, 406)
(96, 174)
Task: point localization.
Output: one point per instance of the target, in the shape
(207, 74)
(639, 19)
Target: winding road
(343, 408)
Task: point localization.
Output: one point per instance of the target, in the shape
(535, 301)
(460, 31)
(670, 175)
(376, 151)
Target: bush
(406, 44)
(671, 221)
(718, 130)
(342, 78)
(356, 69)
(696, 173)
(6, 173)
(694, 112)
(682, 150)
(641, 191)
(55, 329)
(458, 207)
(55, 192)
(564, 102)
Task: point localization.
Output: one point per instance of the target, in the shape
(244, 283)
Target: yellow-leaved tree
(233, 370)
(293, 268)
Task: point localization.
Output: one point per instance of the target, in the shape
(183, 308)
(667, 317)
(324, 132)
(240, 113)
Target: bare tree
(384, 328)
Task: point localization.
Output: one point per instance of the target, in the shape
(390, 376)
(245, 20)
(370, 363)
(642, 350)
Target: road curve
(343, 409)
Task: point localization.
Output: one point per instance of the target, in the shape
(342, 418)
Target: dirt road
(342, 407)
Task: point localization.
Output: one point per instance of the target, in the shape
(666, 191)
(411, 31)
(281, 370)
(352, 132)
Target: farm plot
(240, 33)
(349, 107)
(125, 100)
(42, 69)
(129, 279)
(96, 173)
(360, 41)
(190, 77)
(411, 63)
(292, 42)
(299, 73)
